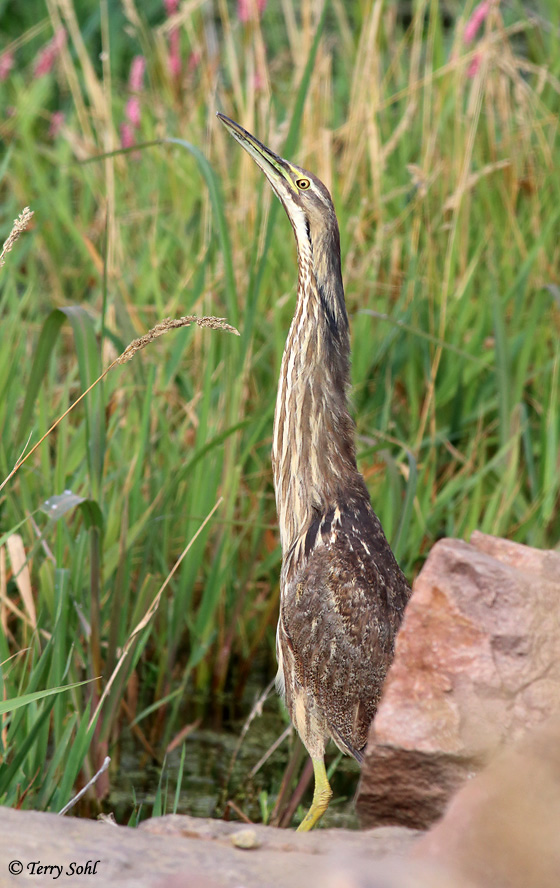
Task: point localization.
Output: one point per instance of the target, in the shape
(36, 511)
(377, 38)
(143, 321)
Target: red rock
(477, 663)
(502, 829)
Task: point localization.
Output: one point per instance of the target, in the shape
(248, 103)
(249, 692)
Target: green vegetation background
(443, 160)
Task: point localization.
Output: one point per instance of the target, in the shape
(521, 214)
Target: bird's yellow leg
(322, 795)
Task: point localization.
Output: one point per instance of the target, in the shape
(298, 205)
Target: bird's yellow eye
(303, 184)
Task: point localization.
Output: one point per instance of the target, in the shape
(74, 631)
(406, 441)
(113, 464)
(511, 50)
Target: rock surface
(187, 852)
(503, 827)
(477, 663)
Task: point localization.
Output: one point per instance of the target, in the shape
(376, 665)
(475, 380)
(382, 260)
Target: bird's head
(306, 200)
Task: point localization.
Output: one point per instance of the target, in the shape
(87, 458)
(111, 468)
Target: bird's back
(343, 597)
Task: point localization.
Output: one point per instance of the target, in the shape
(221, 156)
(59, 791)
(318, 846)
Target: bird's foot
(322, 795)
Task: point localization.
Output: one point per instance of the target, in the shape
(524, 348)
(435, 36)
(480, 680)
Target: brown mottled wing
(341, 610)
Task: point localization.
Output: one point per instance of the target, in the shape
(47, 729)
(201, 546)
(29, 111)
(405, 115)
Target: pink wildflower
(127, 135)
(474, 65)
(477, 18)
(48, 56)
(174, 60)
(246, 9)
(133, 111)
(6, 64)
(136, 77)
(57, 122)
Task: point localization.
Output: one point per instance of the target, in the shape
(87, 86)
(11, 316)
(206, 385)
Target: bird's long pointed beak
(273, 166)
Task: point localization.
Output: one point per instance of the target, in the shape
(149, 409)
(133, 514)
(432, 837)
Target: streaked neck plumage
(313, 453)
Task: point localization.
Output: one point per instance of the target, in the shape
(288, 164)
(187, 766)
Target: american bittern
(342, 593)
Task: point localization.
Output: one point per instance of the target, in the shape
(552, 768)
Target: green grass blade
(89, 364)
(217, 202)
(179, 780)
(45, 346)
(26, 699)
(401, 536)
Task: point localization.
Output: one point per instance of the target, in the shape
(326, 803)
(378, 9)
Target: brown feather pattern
(342, 592)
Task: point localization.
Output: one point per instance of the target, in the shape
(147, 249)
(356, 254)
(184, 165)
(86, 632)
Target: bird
(342, 593)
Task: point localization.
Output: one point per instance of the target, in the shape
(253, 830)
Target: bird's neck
(313, 453)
